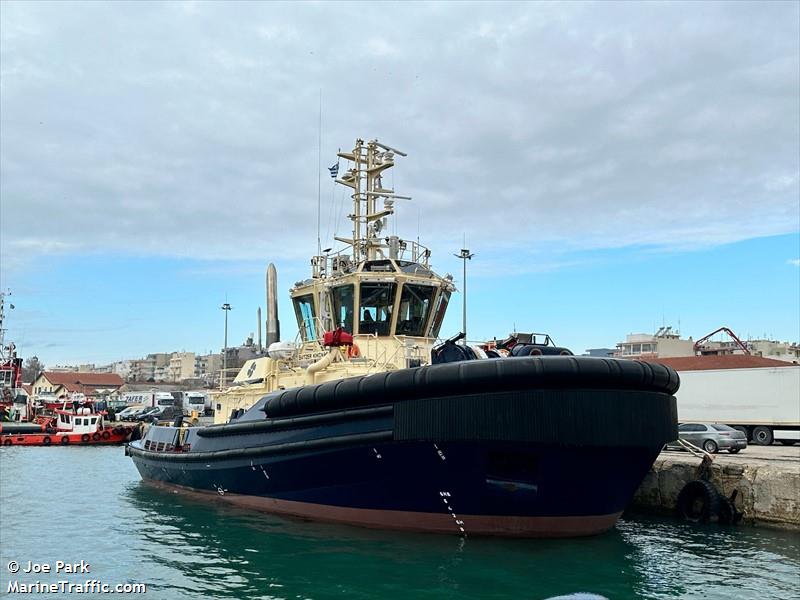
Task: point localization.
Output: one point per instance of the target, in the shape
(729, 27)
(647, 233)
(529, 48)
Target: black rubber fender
(475, 376)
(698, 502)
(451, 352)
(106, 435)
(46, 440)
(727, 512)
(539, 350)
(85, 438)
(64, 440)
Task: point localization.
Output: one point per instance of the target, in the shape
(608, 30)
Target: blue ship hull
(545, 462)
(427, 487)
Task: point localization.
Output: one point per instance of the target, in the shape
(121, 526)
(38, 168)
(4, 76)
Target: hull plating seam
(304, 446)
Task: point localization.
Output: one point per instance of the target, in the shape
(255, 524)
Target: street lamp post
(226, 307)
(464, 256)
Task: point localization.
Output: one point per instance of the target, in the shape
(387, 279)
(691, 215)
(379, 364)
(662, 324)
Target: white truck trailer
(763, 402)
(149, 398)
(196, 401)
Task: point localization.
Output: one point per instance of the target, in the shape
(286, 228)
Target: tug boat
(78, 426)
(366, 419)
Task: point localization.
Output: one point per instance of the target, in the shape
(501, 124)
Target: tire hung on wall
(698, 502)
(46, 440)
(85, 438)
(106, 435)
(728, 515)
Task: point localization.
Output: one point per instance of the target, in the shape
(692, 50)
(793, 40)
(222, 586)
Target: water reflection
(686, 560)
(184, 549)
(221, 551)
(264, 556)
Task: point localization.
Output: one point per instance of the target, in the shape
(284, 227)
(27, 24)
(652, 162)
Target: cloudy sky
(614, 166)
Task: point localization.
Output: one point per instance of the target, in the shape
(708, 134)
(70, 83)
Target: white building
(181, 366)
(664, 343)
(63, 369)
(784, 351)
(122, 368)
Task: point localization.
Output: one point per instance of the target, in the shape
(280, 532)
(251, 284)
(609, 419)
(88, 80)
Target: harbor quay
(764, 482)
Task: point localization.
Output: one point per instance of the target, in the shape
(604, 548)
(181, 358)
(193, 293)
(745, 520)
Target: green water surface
(89, 503)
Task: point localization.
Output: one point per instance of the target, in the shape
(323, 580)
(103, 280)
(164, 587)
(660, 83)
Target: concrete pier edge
(768, 490)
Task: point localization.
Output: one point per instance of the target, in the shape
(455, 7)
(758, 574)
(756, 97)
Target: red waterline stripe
(501, 525)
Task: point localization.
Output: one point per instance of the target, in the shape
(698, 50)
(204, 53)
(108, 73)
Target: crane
(698, 344)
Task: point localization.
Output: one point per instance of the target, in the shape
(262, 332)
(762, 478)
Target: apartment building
(181, 366)
(664, 343)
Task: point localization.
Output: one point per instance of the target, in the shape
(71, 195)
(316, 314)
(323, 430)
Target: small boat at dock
(78, 426)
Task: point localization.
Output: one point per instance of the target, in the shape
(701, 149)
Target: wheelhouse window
(415, 303)
(439, 312)
(406, 266)
(306, 322)
(379, 266)
(375, 312)
(343, 307)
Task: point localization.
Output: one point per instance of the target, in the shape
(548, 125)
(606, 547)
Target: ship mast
(2, 319)
(370, 160)
(8, 354)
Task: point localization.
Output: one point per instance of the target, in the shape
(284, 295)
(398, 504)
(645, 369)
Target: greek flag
(334, 170)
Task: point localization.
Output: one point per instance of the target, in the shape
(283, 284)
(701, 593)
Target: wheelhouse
(80, 422)
(381, 298)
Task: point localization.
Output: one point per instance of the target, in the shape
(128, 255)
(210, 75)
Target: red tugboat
(69, 423)
(81, 426)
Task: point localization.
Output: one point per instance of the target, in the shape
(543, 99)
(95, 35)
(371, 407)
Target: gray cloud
(190, 129)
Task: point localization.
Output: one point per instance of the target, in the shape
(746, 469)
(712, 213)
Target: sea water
(87, 505)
